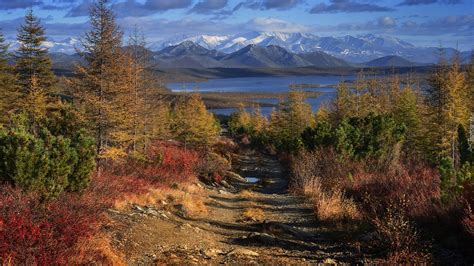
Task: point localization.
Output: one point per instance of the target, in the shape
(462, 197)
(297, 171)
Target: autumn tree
(150, 110)
(8, 92)
(33, 66)
(470, 83)
(241, 121)
(448, 98)
(103, 87)
(193, 124)
(291, 118)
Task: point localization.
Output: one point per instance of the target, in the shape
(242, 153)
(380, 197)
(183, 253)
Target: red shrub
(45, 233)
(107, 188)
(417, 186)
(163, 162)
(32, 232)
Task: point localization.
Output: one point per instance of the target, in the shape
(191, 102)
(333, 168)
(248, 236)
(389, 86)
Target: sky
(447, 23)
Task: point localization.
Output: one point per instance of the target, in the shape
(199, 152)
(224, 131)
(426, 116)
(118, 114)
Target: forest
(386, 155)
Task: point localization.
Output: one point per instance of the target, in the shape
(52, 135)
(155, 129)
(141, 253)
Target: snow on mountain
(66, 46)
(355, 49)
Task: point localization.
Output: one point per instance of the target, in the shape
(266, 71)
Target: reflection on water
(252, 179)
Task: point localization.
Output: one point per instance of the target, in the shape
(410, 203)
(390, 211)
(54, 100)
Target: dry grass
(329, 205)
(195, 205)
(246, 194)
(151, 197)
(253, 215)
(97, 250)
(334, 206)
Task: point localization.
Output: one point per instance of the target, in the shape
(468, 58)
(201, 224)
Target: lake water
(265, 84)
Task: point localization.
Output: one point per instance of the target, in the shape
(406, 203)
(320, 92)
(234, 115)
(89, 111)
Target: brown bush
(417, 186)
(398, 236)
(335, 206)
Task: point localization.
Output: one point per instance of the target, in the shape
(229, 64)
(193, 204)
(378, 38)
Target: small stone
(330, 261)
(243, 252)
(138, 208)
(181, 210)
(225, 184)
(152, 212)
(223, 192)
(211, 253)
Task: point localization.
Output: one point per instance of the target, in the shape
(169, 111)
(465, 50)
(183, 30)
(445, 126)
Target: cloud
(387, 22)
(52, 30)
(274, 25)
(451, 25)
(457, 27)
(80, 10)
(347, 6)
(280, 4)
(14, 4)
(208, 6)
(163, 5)
(429, 2)
(133, 8)
(268, 4)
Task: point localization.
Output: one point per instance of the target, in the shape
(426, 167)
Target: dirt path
(243, 224)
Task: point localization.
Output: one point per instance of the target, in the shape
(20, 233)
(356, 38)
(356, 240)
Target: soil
(244, 223)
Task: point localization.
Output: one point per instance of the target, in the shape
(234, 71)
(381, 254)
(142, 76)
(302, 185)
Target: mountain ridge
(354, 49)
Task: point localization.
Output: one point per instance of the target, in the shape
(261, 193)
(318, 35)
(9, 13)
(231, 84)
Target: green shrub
(372, 136)
(36, 160)
(319, 136)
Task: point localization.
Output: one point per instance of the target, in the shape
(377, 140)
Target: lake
(265, 84)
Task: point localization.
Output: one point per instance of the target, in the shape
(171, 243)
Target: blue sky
(422, 22)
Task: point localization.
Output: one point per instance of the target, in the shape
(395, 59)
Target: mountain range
(273, 50)
(354, 49)
(188, 54)
(191, 55)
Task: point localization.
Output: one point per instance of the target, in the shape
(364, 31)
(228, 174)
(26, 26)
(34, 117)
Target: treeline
(384, 153)
(53, 136)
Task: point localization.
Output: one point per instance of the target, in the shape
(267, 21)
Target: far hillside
(391, 61)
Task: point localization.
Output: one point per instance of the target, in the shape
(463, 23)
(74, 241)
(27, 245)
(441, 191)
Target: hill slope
(390, 61)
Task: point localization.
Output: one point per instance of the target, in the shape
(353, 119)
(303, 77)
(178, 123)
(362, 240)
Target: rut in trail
(245, 223)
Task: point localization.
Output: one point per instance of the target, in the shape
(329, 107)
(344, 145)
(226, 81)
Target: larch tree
(289, 121)
(150, 111)
(448, 98)
(33, 66)
(193, 124)
(103, 87)
(8, 91)
(259, 122)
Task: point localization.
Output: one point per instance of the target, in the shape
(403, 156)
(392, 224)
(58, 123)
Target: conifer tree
(258, 121)
(342, 103)
(149, 110)
(448, 98)
(105, 79)
(470, 83)
(8, 92)
(32, 61)
(293, 116)
(193, 124)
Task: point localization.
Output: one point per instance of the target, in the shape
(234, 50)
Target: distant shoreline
(175, 75)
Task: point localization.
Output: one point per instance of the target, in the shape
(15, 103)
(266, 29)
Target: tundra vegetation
(383, 155)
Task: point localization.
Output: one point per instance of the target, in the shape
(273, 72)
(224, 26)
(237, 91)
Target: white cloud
(274, 24)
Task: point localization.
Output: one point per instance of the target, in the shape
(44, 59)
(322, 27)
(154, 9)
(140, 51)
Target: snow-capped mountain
(355, 49)
(66, 46)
